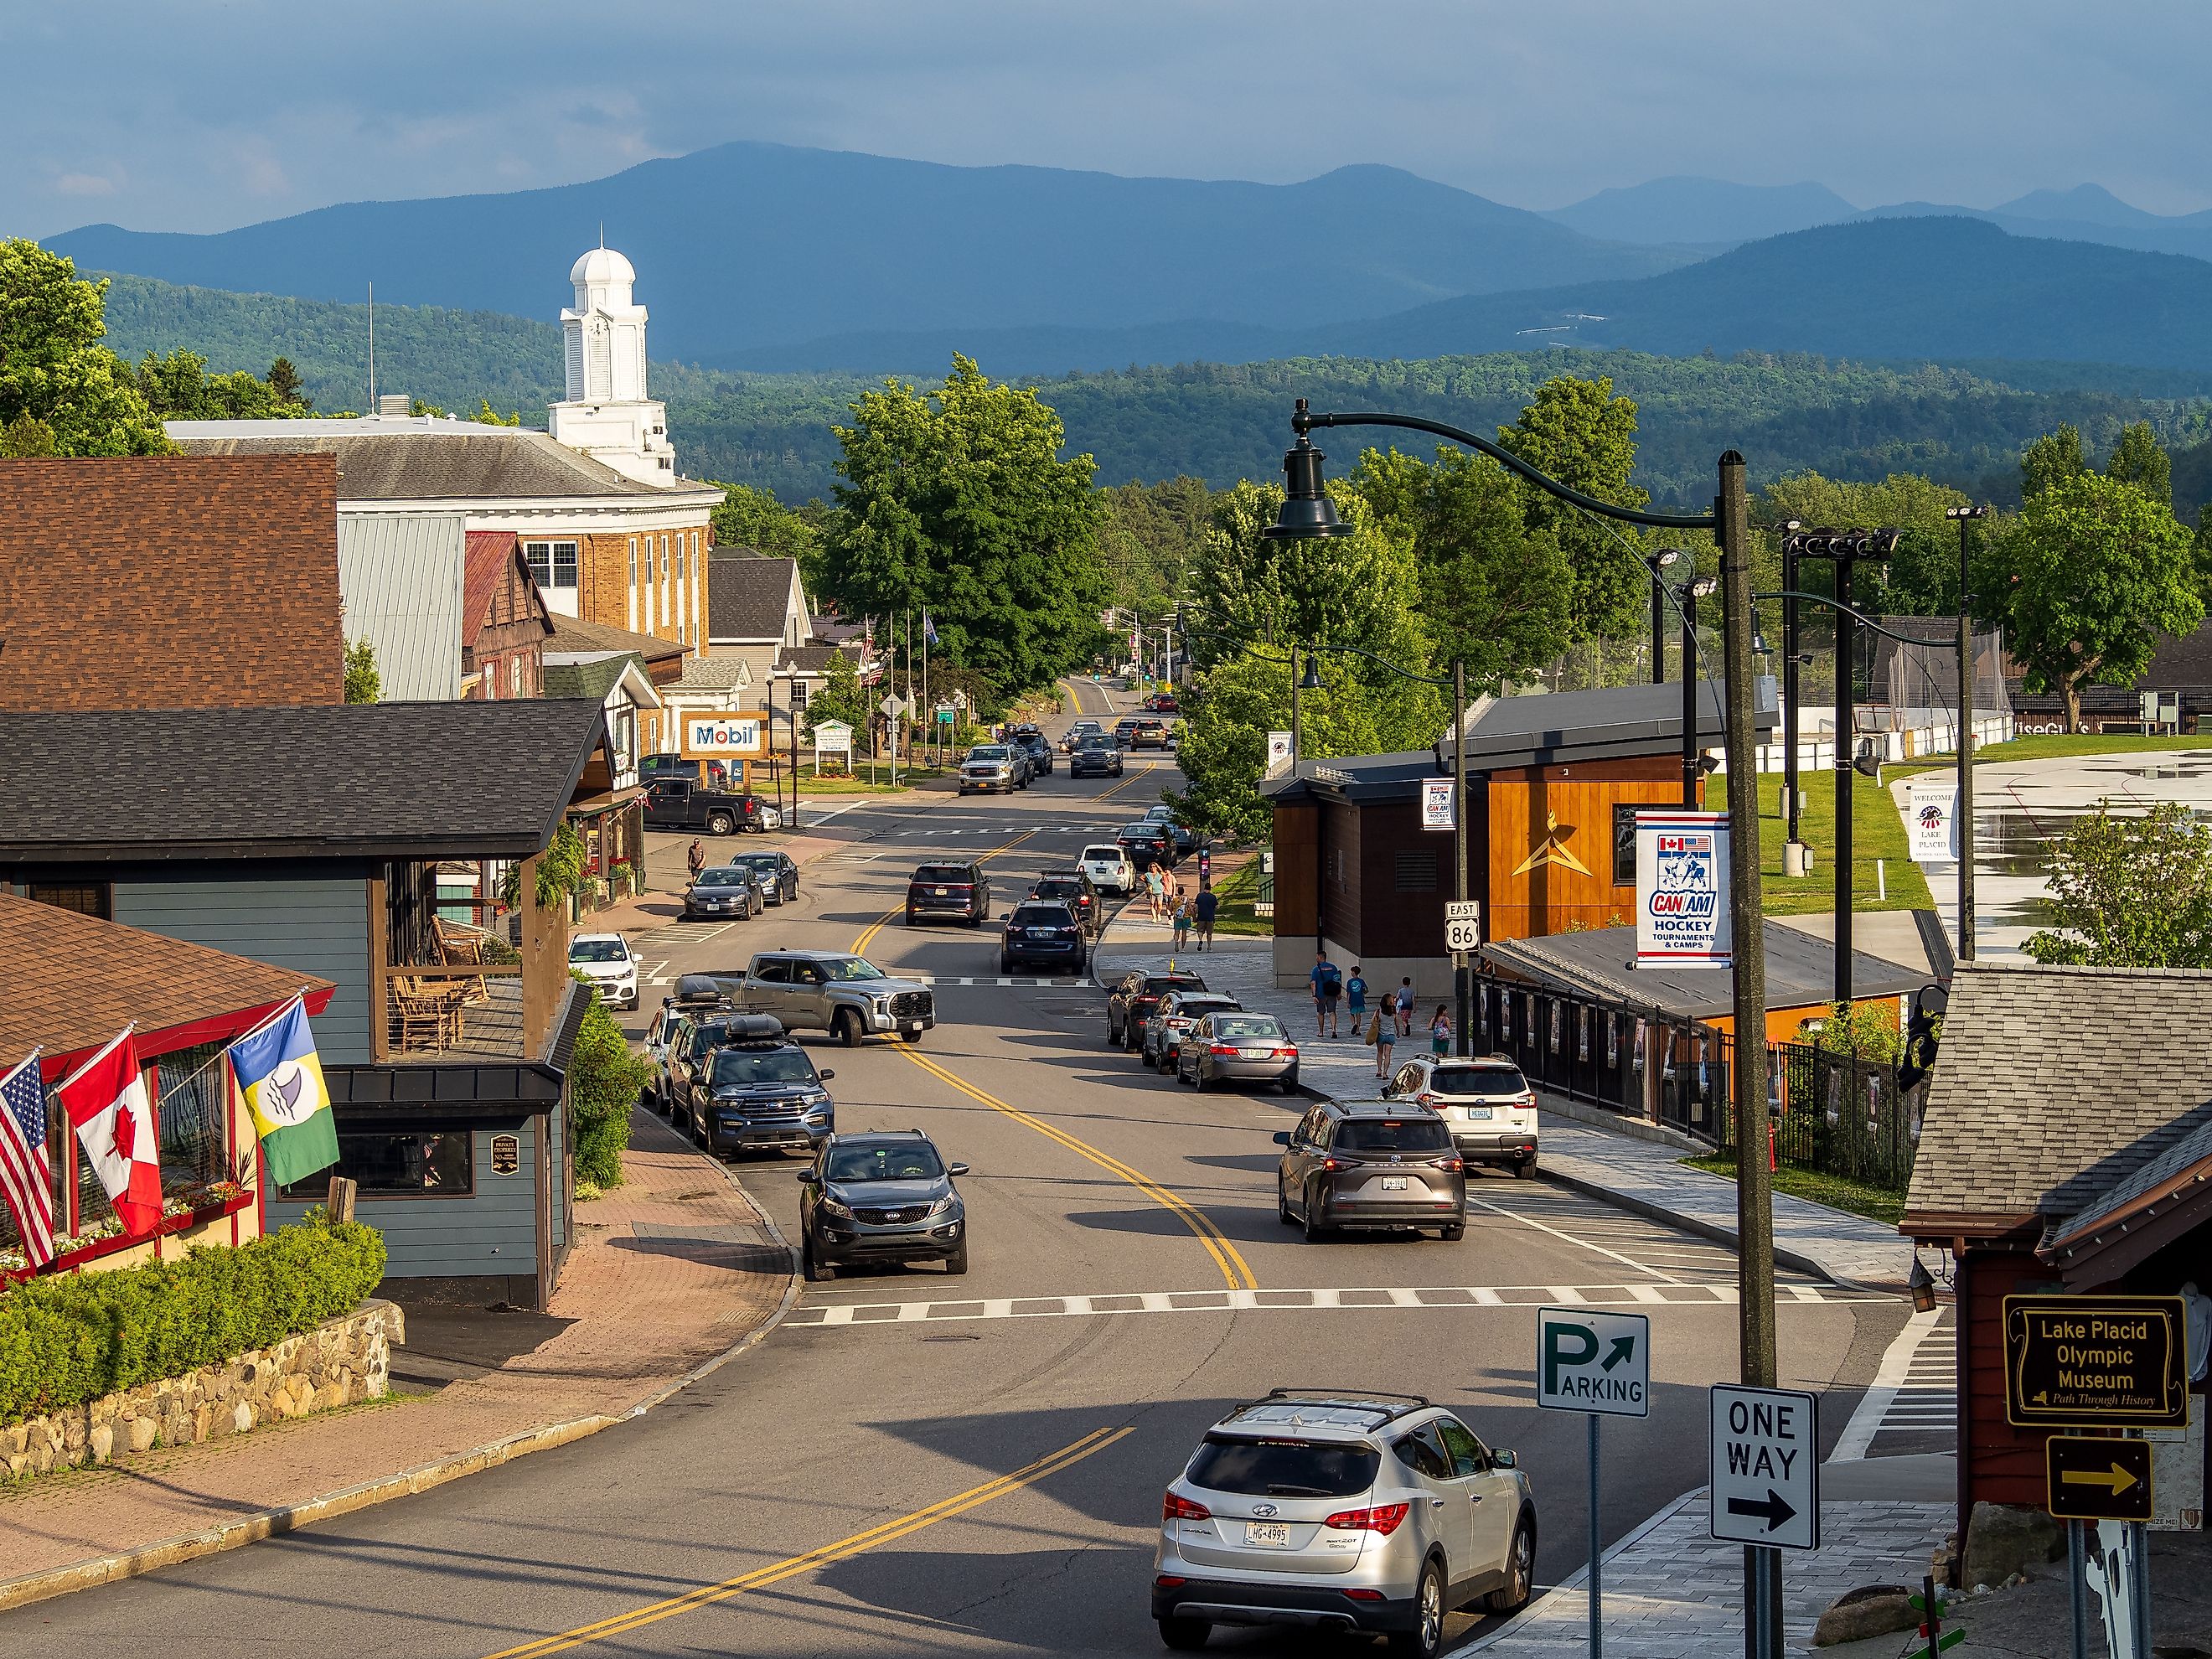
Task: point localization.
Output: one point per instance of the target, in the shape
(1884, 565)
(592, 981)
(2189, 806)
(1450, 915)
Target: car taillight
(1448, 1163)
(1285, 1054)
(1427, 1097)
(1175, 1507)
(1383, 1518)
(1330, 1163)
(1526, 1101)
(1364, 1595)
(1167, 1581)
(1221, 1049)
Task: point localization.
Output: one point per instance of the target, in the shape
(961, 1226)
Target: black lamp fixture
(1308, 514)
(1310, 680)
(1922, 1283)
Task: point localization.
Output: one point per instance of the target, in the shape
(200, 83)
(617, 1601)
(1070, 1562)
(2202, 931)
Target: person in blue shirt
(1355, 995)
(1328, 987)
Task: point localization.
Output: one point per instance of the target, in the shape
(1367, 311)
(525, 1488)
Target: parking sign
(1594, 1362)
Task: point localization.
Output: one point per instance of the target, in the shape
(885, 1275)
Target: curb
(325, 1506)
(1574, 1580)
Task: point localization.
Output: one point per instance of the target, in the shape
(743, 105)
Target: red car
(1162, 703)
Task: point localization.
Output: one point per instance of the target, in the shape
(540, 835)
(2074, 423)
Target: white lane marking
(1530, 1221)
(1889, 1379)
(654, 975)
(1339, 1298)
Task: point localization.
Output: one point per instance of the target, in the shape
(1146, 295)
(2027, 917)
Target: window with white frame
(554, 563)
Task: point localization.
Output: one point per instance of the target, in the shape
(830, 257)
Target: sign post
(1599, 1364)
(1765, 1485)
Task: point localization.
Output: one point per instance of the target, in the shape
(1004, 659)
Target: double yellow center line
(707, 1594)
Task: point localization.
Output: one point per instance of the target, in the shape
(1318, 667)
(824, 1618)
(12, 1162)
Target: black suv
(756, 1089)
(1041, 931)
(1133, 999)
(1148, 843)
(1038, 748)
(1073, 889)
(1094, 755)
(1370, 1164)
(776, 873)
(960, 891)
(881, 1197)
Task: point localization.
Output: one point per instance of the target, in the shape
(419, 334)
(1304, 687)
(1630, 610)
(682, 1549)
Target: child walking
(1440, 1032)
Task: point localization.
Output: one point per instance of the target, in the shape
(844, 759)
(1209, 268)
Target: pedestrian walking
(1182, 923)
(1327, 987)
(1355, 996)
(1440, 1032)
(1155, 892)
(1406, 1007)
(696, 859)
(1203, 909)
(1383, 1032)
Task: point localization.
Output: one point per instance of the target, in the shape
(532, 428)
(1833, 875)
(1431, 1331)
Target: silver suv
(1350, 1512)
(1370, 1164)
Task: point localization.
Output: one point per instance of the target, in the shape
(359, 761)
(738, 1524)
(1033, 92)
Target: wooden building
(1554, 781)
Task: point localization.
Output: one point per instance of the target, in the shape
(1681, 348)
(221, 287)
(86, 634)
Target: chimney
(393, 406)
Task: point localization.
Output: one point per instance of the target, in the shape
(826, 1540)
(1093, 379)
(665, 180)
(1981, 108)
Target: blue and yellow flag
(281, 1076)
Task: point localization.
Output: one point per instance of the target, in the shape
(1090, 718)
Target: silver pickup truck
(834, 990)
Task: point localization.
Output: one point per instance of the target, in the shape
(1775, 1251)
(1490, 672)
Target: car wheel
(1184, 1635)
(956, 1263)
(1427, 1638)
(816, 1270)
(1287, 1084)
(1005, 967)
(909, 1036)
(1315, 1231)
(1452, 1234)
(720, 823)
(1112, 1036)
(1520, 1571)
(1524, 1169)
(909, 919)
(1283, 1207)
(846, 1028)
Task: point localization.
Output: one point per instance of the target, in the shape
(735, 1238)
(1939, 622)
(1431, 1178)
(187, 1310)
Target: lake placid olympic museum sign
(717, 737)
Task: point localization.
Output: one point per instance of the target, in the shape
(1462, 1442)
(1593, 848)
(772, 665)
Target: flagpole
(275, 1014)
(105, 1049)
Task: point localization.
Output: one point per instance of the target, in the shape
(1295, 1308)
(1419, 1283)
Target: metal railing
(1837, 1114)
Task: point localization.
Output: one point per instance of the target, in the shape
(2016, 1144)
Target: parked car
(1173, 1015)
(1147, 844)
(1096, 756)
(1187, 840)
(887, 1196)
(777, 874)
(960, 891)
(606, 960)
(1374, 1513)
(1160, 703)
(1106, 866)
(681, 804)
(728, 890)
(694, 1035)
(994, 766)
(1042, 933)
(1487, 1104)
(1148, 734)
(1075, 890)
(757, 1091)
(1073, 737)
(1033, 744)
(833, 991)
(1370, 1163)
(1238, 1048)
(1130, 1003)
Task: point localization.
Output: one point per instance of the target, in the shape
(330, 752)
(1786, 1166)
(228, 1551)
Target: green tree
(487, 415)
(1223, 747)
(749, 519)
(2050, 460)
(957, 502)
(362, 682)
(2130, 892)
(604, 1081)
(1153, 537)
(1582, 434)
(178, 387)
(840, 697)
(1496, 592)
(2138, 459)
(2086, 580)
(284, 381)
(53, 369)
(26, 438)
(1921, 579)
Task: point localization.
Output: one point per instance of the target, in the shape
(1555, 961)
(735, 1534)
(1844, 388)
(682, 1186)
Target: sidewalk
(671, 1275)
(1578, 1146)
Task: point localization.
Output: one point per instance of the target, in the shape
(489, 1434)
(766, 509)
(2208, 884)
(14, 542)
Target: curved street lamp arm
(1864, 621)
(1303, 420)
(1402, 673)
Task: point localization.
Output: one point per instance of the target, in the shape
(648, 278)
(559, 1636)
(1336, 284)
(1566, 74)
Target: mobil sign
(1682, 889)
(713, 737)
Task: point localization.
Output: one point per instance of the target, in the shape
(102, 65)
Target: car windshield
(989, 751)
(915, 1163)
(1040, 915)
(1477, 1080)
(1283, 1469)
(725, 878)
(598, 950)
(940, 872)
(850, 968)
(1375, 1135)
(755, 861)
(1101, 855)
(1094, 740)
(1156, 983)
(1067, 891)
(1196, 1007)
(1248, 1025)
(762, 1065)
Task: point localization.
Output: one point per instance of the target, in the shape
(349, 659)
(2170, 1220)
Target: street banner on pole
(1932, 817)
(1436, 804)
(1682, 917)
(1279, 754)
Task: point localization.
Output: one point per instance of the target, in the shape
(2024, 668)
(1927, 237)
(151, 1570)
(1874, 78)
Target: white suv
(1487, 1103)
(605, 959)
(1342, 1512)
(1108, 867)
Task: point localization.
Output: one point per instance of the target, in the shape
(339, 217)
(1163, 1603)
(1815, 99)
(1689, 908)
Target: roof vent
(394, 406)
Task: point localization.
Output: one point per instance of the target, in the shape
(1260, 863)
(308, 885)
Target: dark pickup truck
(680, 804)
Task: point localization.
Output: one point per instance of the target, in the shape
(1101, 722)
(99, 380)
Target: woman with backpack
(1440, 1032)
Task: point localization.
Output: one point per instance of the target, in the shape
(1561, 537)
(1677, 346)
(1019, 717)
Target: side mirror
(956, 1168)
(808, 1178)
(1502, 1459)
(827, 1076)
(1282, 1138)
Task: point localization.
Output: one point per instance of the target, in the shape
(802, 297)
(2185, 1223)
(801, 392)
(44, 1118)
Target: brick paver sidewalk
(671, 1273)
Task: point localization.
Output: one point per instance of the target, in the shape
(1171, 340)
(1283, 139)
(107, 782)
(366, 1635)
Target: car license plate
(1394, 1183)
(1266, 1535)
(1478, 1113)
(1253, 1054)
(939, 891)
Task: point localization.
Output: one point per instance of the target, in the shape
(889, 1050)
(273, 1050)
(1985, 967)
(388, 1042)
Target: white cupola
(607, 413)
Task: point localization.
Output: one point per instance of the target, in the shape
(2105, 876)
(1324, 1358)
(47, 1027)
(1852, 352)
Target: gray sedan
(1238, 1048)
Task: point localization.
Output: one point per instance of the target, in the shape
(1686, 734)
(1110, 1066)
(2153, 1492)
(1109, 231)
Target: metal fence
(1838, 1115)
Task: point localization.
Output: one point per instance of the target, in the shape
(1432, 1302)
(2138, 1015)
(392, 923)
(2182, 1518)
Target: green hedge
(71, 1339)
(604, 1079)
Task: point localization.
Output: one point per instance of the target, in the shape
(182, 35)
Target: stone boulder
(2004, 1541)
(1871, 1610)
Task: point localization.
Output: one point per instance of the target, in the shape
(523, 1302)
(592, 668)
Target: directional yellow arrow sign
(2115, 1480)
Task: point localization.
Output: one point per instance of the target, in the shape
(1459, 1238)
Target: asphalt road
(886, 1481)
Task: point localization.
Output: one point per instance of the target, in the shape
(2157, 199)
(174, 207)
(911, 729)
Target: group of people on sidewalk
(1166, 901)
(1392, 1018)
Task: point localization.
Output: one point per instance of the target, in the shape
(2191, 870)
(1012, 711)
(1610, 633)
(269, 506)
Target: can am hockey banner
(1682, 890)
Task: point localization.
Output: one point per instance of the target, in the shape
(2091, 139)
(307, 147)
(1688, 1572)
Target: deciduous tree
(54, 371)
(2130, 892)
(2138, 459)
(1580, 433)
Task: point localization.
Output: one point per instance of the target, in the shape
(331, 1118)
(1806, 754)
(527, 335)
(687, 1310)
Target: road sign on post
(1598, 1363)
(1765, 1468)
(2098, 1480)
(1462, 909)
(1463, 935)
(2095, 1361)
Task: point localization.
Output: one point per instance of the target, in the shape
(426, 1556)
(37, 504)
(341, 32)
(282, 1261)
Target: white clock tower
(606, 413)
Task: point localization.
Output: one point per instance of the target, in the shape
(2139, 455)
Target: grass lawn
(1877, 832)
(1237, 892)
(1836, 1192)
(908, 776)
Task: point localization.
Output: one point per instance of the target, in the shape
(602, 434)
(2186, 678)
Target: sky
(199, 115)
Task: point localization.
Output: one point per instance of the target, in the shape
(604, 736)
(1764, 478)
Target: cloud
(84, 184)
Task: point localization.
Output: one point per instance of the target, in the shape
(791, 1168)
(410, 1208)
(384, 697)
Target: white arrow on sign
(1463, 935)
(1765, 1467)
(1594, 1362)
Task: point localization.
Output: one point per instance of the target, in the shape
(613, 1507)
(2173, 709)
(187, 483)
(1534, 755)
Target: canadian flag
(105, 1100)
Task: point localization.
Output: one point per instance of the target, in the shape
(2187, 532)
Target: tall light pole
(1687, 594)
(1964, 813)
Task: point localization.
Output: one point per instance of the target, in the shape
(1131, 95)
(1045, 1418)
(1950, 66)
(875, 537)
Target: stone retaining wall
(340, 1363)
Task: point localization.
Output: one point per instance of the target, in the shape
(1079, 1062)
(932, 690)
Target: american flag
(25, 1176)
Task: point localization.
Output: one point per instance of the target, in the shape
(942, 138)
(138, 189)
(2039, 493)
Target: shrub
(71, 1339)
(605, 1080)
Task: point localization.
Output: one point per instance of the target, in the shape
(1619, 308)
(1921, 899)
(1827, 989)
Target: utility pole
(1847, 650)
(1463, 972)
(1790, 840)
(1295, 750)
(1964, 810)
(1688, 593)
(1659, 630)
(1753, 1196)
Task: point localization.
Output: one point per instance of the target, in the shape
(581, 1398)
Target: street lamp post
(1659, 619)
(1687, 594)
(1964, 812)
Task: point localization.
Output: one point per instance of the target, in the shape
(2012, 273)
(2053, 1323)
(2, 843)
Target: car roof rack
(1379, 1406)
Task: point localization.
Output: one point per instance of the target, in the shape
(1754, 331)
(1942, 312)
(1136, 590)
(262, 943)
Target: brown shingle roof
(75, 981)
(2056, 1086)
(440, 466)
(664, 658)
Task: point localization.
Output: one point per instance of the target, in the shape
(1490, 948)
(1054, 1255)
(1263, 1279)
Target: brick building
(178, 581)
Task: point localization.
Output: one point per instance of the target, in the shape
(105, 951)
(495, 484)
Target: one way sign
(1594, 1362)
(1766, 1468)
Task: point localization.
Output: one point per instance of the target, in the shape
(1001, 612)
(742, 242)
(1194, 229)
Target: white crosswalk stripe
(1912, 1404)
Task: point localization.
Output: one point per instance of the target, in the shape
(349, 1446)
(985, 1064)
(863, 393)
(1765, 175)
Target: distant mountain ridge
(1703, 212)
(751, 245)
